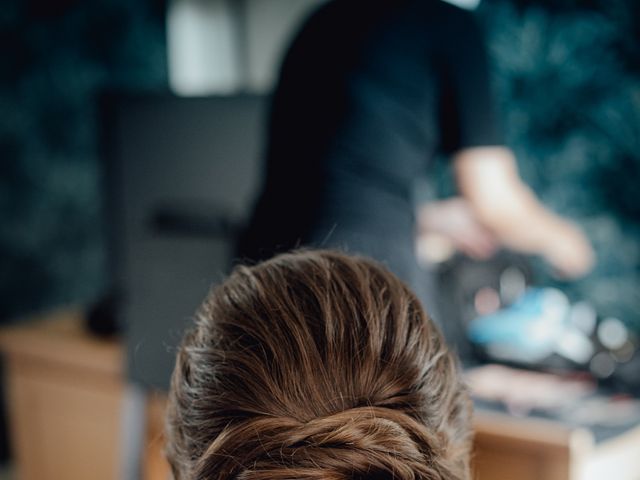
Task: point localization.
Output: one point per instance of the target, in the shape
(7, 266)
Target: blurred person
(316, 365)
(369, 91)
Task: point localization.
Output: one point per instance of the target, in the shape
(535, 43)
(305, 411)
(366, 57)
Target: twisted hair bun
(316, 365)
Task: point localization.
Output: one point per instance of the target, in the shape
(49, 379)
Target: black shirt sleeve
(468, 116)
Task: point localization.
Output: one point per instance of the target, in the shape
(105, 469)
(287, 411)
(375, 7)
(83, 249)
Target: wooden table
(65, 392)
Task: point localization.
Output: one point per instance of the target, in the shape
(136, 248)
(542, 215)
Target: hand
(569, 252)
(455, 220)
(488, 179)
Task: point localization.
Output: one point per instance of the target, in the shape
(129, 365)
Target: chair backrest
(181, 176)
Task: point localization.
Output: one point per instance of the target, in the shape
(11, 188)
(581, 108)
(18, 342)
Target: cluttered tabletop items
(555, 382)
(571, 399)
(557, 378)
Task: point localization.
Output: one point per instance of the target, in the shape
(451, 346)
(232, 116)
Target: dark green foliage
(56, 56)
(567, 74)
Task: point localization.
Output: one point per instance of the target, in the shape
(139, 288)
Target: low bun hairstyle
(316, 365)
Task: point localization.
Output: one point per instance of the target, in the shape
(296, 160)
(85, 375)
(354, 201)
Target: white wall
(201, 47)
(271, 25)
(203, 43)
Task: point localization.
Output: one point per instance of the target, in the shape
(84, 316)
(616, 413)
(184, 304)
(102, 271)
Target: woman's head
(316, 365)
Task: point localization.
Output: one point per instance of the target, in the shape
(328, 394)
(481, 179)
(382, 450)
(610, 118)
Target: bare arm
(488, 179)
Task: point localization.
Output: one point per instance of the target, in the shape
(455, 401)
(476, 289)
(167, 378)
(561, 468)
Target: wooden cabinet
(65, 391)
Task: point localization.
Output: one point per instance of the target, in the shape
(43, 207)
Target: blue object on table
(526, 331)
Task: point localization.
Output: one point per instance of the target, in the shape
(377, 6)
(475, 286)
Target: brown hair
(316, 365)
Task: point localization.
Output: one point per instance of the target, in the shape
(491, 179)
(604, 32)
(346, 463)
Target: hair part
(316, 365)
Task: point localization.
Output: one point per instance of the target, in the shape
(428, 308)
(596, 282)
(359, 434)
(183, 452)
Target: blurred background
(566, 74)
(81, 82)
